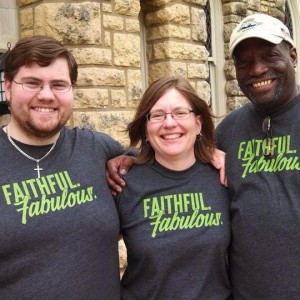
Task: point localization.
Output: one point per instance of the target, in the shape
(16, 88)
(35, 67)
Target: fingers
(115, 182)
(115, 169)
(223, 177)
(113, 178)
(218, 162)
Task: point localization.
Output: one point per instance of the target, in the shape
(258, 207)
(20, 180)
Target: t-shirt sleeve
(111, 147)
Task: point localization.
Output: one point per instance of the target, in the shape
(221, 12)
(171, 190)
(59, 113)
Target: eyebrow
(178, 107)
(41, 81)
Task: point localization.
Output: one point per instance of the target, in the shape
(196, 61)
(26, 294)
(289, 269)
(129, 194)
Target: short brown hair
(39, 49)
(137, 128)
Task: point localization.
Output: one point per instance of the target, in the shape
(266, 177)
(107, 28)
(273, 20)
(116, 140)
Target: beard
(39, 128)
(265, 100)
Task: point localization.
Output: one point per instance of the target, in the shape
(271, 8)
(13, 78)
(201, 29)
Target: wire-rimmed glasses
(35, 87)
(177, 114)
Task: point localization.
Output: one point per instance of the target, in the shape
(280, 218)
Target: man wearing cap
(262, 142)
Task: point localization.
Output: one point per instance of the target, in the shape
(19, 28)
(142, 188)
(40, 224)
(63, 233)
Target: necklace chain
(38, 169)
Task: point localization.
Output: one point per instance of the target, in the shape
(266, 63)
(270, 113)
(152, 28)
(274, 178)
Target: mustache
(266, 77)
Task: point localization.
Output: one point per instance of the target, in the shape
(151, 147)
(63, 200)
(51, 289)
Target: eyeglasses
(268, 144)
(33, 86)
(177, 114)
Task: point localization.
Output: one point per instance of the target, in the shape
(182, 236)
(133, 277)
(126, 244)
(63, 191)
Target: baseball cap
(260, 26)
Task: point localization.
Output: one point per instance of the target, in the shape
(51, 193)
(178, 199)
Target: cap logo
(285, 33)
(249, 24)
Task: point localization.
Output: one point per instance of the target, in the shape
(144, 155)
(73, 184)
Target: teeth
(44, 109)
(171, 136)
(262, 83)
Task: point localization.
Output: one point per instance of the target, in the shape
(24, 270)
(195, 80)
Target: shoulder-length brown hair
(203, 147)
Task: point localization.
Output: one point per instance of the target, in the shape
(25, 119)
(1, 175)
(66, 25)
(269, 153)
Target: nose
(257, 67)
(169, 120)
(46, 93)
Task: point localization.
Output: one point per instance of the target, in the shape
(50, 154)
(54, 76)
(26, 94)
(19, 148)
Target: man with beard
(58, 223)
(262, 143)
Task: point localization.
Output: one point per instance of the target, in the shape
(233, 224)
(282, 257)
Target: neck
(176, 164)
(16, 133)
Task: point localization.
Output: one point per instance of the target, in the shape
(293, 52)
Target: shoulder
(236, 115)
(88, 135)
(89, 139)
(232, 122)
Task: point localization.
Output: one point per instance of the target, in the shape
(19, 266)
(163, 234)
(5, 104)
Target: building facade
(123, 45)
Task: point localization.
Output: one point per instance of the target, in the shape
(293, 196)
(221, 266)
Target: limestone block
(100, 76)
(179, 50)
(168, 31)
(122, 256)
(91, 98)
(236, 102)
(254, 4)
(106, 7)
(127, 49)
(199, 2)
(118, 98)
(232, 19)
(198, 70)
(177, 13)
(26, 2)
(92, 56)
(26, 19)
(27, 33)
(75, 23)
(229, 70)
(232, 88)
(203, 90)
(198, 26)
(127, 7)
(134, 87)
(228, 28)
(172, 68)
(156, 3)
(113, 22)
(237, 8)
(150, 53)
(107, 38)
(132, 25)
(111, 122)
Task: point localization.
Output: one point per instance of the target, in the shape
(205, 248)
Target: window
(215, 46)
(292, 15)
(8, 23)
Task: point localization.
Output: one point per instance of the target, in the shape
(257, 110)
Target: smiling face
(39, 116)
(265, 73)
(173, 140)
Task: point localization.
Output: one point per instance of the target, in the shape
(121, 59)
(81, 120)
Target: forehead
(58, 68)
(255, 45)
(171, 98)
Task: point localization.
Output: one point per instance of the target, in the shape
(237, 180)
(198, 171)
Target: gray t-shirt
(176, 228)
(58, 233)
(265, 203)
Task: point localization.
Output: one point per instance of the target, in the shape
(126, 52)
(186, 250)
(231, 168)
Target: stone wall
(116, 63)
(105, 37)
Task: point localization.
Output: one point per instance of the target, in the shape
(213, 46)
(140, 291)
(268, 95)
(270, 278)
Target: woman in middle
(174, 214)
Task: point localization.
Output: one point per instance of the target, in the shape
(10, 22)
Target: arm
(120, 165)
